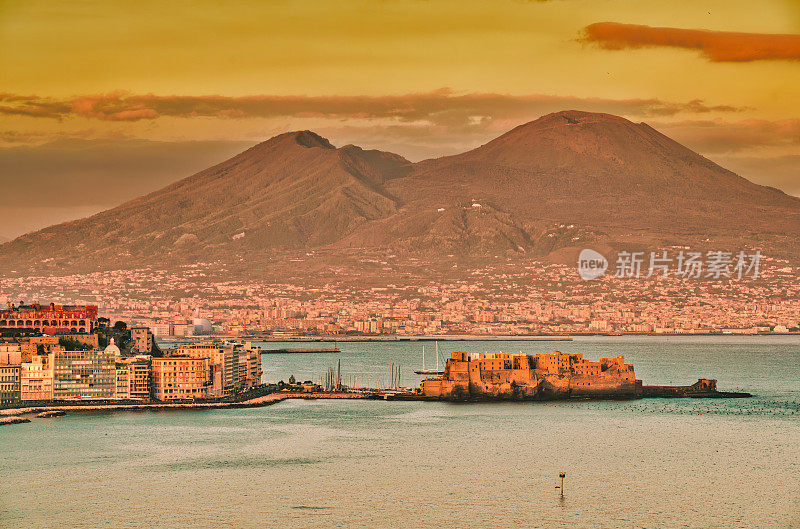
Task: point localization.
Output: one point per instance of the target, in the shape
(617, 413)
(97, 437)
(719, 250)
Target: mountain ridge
(616, 181)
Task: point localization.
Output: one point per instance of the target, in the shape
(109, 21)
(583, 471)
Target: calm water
(649, 463)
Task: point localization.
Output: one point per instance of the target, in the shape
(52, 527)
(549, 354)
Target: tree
(71, 344)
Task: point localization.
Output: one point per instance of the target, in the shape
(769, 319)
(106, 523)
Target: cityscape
(499, 299)
(59, 358)
(400, 264)
(66, 352)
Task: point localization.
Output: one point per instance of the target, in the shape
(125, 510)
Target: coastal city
(60, 352)
(400, 264)
(501, 298)
(68, 354)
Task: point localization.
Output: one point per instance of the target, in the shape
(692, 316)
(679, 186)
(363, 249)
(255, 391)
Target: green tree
(71, 344)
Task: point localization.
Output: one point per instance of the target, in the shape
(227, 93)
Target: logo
(686, 264)
(591, 264)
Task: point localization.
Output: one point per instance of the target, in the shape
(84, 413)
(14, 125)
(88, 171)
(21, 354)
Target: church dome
(112, 348)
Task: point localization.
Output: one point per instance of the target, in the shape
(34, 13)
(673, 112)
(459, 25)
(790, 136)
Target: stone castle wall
(519, 377)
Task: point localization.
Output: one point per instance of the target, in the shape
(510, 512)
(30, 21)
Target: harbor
(315, 458)
(466, 377)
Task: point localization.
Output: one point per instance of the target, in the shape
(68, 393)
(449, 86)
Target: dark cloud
(442, 106)
(716, 46)
(33, 106)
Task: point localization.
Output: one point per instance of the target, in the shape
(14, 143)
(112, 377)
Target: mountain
(604, 173)
(293, 191)
(565, 180)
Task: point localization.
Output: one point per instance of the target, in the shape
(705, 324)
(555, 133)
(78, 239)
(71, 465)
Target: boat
(424, 370)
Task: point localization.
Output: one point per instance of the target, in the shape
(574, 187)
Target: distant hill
(565, 180)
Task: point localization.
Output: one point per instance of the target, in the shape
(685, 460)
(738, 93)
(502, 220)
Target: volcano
(565, 180)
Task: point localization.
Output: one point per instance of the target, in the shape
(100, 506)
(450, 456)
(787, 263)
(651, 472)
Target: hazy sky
(103, 101)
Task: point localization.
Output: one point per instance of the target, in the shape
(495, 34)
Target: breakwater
(265, 400)
(15, 415)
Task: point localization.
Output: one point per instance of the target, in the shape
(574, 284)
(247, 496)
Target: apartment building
(9, 385)
(36, 378)
(181, 377)
(84, 374)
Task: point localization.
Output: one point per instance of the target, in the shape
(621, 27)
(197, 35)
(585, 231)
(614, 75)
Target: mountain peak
(310, 139)
(572, 117)
(304, 138)
(588, 134)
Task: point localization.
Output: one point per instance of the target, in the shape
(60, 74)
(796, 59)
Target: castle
(518, 376)
(49, 319)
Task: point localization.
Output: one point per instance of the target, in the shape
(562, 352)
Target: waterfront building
(249, 366)
(50, 319)
(133, 378)
(181, 377)
(84, 374)
(9, 385)
(139, 376)
(36, 378)
(235, 365)
(121, 384)
(223, 362)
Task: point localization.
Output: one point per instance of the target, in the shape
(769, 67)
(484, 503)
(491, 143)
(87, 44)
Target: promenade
(265, 400)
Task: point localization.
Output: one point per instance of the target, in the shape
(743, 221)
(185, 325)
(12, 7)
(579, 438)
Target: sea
(659, 463)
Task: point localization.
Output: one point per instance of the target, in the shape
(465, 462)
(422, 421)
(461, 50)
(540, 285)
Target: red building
(50, 319)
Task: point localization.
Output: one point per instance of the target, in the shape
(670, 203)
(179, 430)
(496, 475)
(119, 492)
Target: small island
(552, 376)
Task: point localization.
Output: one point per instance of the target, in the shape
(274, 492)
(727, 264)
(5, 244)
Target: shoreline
(257, 402)
(367, 339)
(459, 338)
(11, 415)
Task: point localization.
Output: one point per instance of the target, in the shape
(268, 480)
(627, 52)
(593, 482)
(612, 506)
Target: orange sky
(135, 94)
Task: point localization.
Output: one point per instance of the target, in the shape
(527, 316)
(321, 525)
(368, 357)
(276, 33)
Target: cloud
(32, 106)
(439, 107)
(716, 46)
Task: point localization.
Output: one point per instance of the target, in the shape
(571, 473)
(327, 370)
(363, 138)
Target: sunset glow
(419, 79)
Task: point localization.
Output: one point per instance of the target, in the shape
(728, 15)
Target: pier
(302, 350)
